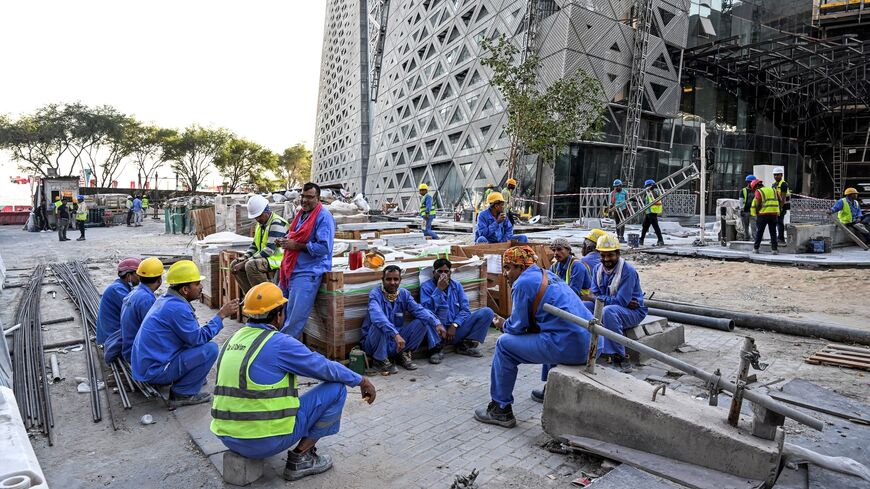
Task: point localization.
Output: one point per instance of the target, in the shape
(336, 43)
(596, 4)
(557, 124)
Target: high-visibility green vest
(144, 202)
(242, 408)
(845, 214)
(81, 212)
(57, 205)
(555, 269)
(261, 238)
(769, 202)
(655, 208)
(423, 207)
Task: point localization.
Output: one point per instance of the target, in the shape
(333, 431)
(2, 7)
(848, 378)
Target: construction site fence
(592, 200)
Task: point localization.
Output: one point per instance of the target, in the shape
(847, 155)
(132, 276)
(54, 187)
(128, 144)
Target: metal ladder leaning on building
(637, 204)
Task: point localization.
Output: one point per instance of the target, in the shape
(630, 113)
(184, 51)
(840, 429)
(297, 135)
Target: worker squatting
(257, 411)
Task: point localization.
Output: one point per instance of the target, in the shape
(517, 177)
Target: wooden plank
(855, 349)
(850, 353)
(782, 396)
(842, 356)
(857, 239)
(838, 363)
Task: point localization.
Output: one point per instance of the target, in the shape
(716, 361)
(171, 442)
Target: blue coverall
(451, 306)
(580, 278)
(385, 319)
(559, 342)
(136, 305)
(429, 217)
(171, 347)
(313, 262)
(109, 314)
(320, 408)
(491, 231)
(617, 317)
(591, 260)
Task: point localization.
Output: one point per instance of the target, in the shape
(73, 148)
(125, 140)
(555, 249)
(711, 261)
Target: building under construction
(404, 98)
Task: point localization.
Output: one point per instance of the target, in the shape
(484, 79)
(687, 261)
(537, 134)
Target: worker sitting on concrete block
(591, 257)
(170, 347)
(570, 269)
(616, 283)
(257, 411)
(384, 332)
(493, 225)
(848, 211)
(446, 299)
(109, 314)
(138, 302)
(532, 336)
(264, 255)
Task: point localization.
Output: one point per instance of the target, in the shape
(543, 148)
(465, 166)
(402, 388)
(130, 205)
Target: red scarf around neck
(301, 236)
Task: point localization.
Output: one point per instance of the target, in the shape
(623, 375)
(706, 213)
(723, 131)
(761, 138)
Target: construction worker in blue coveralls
(493, 225)
(569, 268)
(138, 302)
(427, 211)
(257, 411)
(849, 214)
(618, 198)
(171, 348)
(109, 313)
(616, 282)
(385, 333)
(446, 299)
(591, 257)
(532, 336)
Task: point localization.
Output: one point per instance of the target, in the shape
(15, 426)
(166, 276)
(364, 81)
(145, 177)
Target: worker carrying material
(766, 203)
(264, 256)
(651, 215)
(747, 212)
(493, 225)
(171, 347)
(427, 211)
(849, 214)
(446, 299)
(509, 202)
(138, 302)
(618, 200)
(307, 256)
(532, 336)
(257, 410)
(385, 334)
(617, 283)
(569, 268)
(109, 313)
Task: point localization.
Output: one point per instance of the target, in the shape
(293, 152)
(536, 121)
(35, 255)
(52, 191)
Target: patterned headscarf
(520, 255)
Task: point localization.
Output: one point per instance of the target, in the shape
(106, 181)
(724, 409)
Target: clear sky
(252, 67)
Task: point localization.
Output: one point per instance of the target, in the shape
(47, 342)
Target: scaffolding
(643, 10)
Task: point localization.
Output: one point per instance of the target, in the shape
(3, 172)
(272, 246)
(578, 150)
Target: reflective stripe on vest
(655, 208)
(243, 408)
(81, 212)
(261, 239)
(555, 269)
(845, 214)
(778, 186)
(145, 203)
(423, 206)
(769, 202)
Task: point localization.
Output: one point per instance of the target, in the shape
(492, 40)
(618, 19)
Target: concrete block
(653, 324)
(667, 341)
(618, 408)
(241, 471)
(635, 333)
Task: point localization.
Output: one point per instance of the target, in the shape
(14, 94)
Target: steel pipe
(715, 382)
(721, 324)
(771, 322)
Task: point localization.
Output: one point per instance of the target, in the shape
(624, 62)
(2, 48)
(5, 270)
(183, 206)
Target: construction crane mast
(643, 13)
(378, 17)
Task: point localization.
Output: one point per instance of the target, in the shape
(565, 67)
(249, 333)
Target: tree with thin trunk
(241, 159)
(192, 152)
(145, 144)
(103, 132)
(295, 165)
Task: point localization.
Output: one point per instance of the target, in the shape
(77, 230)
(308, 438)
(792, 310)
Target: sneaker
(497, 415)
(468, 348)
(775, 252)
(436, 358)
(384, 367)
(301, 465)
(178, 400)
(406, 361)
(80, 239)
(538, 394)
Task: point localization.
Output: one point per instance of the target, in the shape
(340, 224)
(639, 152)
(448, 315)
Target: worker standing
(490, 188)
(136, 305)
(129, 206)
(747, 212)
(767, 202)
(109, 313)
(257, 410)
(651, 217)
(493, 226)
(137, 212)
(145, 204)
(171, 347)
(307, 256)
(570, 269)
(616, 283)
(264, 256)
(427, 211)
(63, 214)
(849, 214)
(781, 186)
(531, 335)
(507, 192)
(81, 216)
(618, 201)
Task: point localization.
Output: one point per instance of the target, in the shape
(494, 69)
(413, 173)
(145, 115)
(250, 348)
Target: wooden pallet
(842, 356)
(229, 287)
(369, 234)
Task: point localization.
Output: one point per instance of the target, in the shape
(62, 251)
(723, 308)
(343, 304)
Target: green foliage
(295, 165)
(540, 121)
(192, 152)
(145, 144)
(245, 162)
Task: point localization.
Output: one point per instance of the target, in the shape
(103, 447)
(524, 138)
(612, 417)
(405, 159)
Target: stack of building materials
(369, 230)
(206, 255)
(231, 213)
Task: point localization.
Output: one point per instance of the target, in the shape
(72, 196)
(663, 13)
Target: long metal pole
(593, 342)
(721, 324)
(716, 382)
(703, 148)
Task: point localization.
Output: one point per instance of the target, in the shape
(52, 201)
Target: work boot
(436, 357)
(756, 251)
(660, 243)
(621, 363)
(80, 239)
(495, 414)
(406, 361)
(301, 465)
(178, 400)
(384, 367)
(538, 394)
(468, 348)
(775, 252)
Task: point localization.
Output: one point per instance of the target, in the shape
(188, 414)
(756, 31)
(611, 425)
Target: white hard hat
(778, 170)
(256, 205)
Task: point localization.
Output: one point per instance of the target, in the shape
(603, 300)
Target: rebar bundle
(30, 379)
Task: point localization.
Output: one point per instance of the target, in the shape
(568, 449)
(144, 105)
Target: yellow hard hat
(183, 272)
(494, 197)
(511, 181)
(262, 299)
(595, 234)
(423, 186)
(850, 191)
(608, 242)
(150, 267)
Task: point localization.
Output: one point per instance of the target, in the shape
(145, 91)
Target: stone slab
(635, 333)
(667, 341)
(626, 476)
(618, 408)
(191, 419)
(653, 325)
